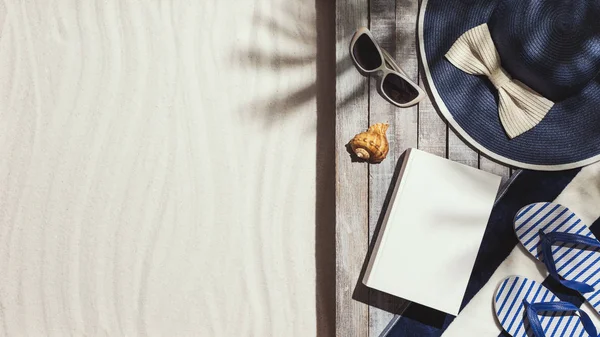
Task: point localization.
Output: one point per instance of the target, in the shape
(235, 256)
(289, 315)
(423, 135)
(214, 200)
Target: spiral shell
(371, 145)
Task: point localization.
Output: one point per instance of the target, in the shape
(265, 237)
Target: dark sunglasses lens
(399, 90)
(366, 54)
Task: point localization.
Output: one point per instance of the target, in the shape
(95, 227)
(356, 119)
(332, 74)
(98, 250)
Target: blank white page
(432, 231)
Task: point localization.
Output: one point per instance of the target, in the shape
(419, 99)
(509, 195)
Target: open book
(432, 230)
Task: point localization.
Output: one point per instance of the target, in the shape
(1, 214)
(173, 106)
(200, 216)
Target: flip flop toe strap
(546, 242)
(536, 326)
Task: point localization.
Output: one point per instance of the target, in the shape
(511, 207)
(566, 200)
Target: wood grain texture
(433, 132)
(432, 128)
(158, 168)
(352, 221)
(491, 166)
(393, 25)
(460, 152)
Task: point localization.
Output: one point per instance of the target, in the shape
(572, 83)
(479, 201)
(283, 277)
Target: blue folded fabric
(498, 242)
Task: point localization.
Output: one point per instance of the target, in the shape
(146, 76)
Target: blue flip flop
(526, 308)
(556, 236)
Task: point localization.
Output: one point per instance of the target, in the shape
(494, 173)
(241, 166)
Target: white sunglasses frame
(383, 70)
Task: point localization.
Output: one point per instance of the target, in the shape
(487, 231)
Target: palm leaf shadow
(285, 26)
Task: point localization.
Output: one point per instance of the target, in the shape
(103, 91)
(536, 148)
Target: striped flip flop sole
(510, 310)
(573, 262)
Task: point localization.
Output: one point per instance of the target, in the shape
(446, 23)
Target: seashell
(371, 145)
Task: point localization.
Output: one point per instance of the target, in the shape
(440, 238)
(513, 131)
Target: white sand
(157, 173)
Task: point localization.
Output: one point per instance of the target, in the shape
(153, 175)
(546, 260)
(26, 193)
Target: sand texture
(157, 172)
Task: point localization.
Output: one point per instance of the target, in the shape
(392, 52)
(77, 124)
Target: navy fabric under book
(499, 241)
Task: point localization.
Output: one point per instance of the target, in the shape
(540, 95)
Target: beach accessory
(516, 79)
(445, 204)
(498, 258)
(393, 83)
(371, 145)
(526, 308)
(556, 236)
(520, 108)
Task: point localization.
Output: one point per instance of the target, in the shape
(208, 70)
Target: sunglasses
(393, 84)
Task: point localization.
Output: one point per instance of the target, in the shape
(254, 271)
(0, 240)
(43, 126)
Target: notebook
(432, 230)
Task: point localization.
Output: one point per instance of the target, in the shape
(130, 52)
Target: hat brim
(569, 136)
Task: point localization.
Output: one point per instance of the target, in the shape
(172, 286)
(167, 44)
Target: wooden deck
(361, 189)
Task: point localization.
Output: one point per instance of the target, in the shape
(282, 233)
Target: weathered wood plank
(393, 24)
(361, 190)
(491, 166)
(432, 128)
(351, 178)
(383, 27)
(460, 152)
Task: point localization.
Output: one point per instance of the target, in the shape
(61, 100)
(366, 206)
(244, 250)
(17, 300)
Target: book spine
(380, 239)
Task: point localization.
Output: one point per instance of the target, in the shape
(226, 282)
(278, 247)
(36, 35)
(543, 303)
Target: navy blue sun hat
(550, 47)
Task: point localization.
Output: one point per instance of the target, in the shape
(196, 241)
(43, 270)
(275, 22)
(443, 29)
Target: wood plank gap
(433, 132)
(491, 166)
(459, 151)
(393, 25)
(351, 177)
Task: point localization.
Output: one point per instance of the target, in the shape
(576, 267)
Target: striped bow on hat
(520, 107)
